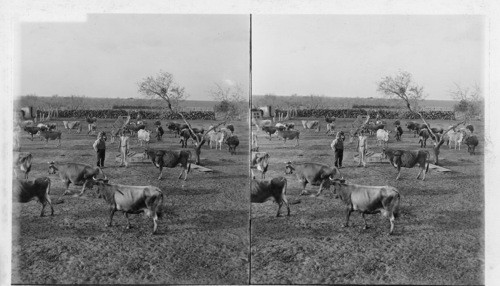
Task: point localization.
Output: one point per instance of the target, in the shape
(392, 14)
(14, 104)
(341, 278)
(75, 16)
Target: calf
(170, 159)
(373, 128)
(368, 200)
(423, 135)
(270, 130)
(289, 134)
(312, 173)
(261, 123)
(159, 133)
(230, 127)
(261, 191)
(455, 138)
(382, 137)
(143, 136)
(50, 135)
(131, 200)
(23, 163)
(185, 134)
(471, 142)
(31, 130)
(76, 174)
(414, 127)
(311, 124)
(470, 128)
(216, 138)
(24, 191)
(232, 142)
(408, 159)
(73, 125)
(260, 161)
(399, 131)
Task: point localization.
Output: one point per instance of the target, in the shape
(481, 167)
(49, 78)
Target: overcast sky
(342, 55)
(108, 54)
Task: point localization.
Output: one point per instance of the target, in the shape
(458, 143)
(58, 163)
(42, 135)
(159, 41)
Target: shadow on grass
(216, 220)
(191, 191)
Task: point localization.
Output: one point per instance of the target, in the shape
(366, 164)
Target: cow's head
(289, 169)
(52, 168)
(336, 184)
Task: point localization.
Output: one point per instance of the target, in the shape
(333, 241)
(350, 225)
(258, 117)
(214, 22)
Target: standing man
(100, 148)
(338, 147)
(124, 147)
(362, 148)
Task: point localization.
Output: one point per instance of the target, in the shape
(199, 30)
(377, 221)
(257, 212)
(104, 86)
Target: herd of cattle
(364, 199)
(125, 198)
(148, 199)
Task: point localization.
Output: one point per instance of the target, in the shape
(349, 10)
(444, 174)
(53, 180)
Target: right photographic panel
(367, 149)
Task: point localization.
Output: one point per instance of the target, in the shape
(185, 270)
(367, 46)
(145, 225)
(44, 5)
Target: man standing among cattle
(100, 148)
(338, 147)
(124, 148)
(362, 148)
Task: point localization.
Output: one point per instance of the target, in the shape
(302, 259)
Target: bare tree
(76, 102)
(164, 87)
(230, 97)
(403, 88)
(470, 100)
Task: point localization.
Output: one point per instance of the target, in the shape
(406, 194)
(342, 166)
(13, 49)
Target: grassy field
(439, 236)
(203, 236)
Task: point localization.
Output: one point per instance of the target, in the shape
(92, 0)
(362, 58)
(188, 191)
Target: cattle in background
(169, 159)
(329, 119)
(289, 134)
(92, 128)
(280, 126)
(423, 135)
(455, 138)
(399, 132)
(24, 191)
(230, 127)
(382, 137)
(232, 142)
(470, 128)
(311, 124)
(133, 128)
(373, 128)
(23, 163)
(270, 130)
(289, 125)
(216, 138)
(31, 130)
(261, 191)
(76, 174)
(159, 133)
(114, 134)
(50, 135)
(397, 123)
(91, 124)
(261, 123)
(143, 136)
(330, 129)
(260, 161)
(47, 126)
(408, 159)
(184, 135)
(368, 200)
(312, 173)
(255, 143)
(414, 127)
(131, 200)
(69, 125)
(471, 142)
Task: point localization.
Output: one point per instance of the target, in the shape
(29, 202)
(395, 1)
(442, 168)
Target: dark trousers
(101, 154)
(339, 155)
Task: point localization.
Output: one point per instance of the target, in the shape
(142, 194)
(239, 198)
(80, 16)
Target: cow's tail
(397, 201)
(160, 206)
(427, 158)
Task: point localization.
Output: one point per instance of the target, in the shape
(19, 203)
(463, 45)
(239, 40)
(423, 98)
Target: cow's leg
(391, 220)
(320, 189)
(44, 203)
(418, 176)
(364, 219)
(347, 214)
(111, 213)
(83, 188)
(303, 183)
(286, 204)
(423, 171)
(66, 183)
(399, 173)
(161, 173)
(297, 141)
(128, 221)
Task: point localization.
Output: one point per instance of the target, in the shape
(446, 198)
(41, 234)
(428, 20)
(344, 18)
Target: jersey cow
(76, 174)
(313, 173)
(368, 200)
(170, 159)
(24, 191)
(311, 124)
(261, 191)
(408, 159)
(260, 161)
(69, 125)
(131, 200)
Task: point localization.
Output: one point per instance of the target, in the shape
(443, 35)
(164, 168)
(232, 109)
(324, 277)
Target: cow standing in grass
(408, 159)
(261, 191)
(131, 200)
(50, 135)
(24, 191)
(170, 159)
(368, 200)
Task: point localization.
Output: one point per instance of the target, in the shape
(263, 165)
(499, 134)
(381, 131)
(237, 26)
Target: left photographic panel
(131, 150)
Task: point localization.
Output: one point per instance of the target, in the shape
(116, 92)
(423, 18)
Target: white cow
(143, 136)
(382, 137)
(455, 138)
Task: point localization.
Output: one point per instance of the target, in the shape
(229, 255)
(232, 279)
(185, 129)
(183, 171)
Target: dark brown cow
(261, 191)
(408, 159)
(24, 191)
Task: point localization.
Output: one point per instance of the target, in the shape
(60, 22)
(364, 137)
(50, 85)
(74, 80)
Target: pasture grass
(202, 238)
(439, 236)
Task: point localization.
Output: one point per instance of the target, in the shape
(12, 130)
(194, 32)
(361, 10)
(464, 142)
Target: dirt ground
(439, 236)
(203, 238)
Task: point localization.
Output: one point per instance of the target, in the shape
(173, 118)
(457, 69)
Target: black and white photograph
(126, 114)
(217, 142)
(356, 116)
